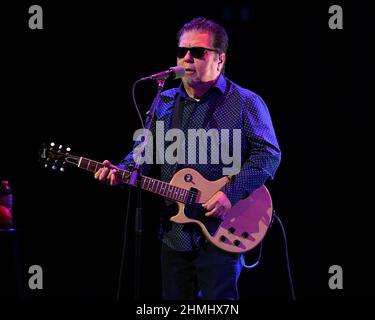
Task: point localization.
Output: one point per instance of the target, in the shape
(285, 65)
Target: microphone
(172, 73)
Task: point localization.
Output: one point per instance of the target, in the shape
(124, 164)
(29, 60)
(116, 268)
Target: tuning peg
(52, 144)
(60, 146)
(54, 167)
(62, 169)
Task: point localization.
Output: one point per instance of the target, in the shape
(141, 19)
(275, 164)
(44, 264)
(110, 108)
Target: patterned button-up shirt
(225, 106)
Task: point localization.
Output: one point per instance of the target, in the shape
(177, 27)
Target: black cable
(243, 262)
(123, 251)
(135, 103)
(286, 256)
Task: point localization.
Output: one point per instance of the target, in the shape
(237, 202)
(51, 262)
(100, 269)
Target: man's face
(204, 69)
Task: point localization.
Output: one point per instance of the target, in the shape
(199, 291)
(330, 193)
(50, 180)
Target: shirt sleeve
(264, 154)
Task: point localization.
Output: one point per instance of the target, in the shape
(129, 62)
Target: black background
(71, 83)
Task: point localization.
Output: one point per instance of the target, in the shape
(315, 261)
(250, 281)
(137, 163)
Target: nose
(188, 57)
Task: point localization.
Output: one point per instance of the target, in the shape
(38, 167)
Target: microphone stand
(136, 180)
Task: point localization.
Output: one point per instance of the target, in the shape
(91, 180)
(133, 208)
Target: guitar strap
(176, 124)
(177, 121)
(191, 235)
(177, 113)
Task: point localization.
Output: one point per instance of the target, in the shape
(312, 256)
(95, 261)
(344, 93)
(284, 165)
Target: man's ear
(222, 57)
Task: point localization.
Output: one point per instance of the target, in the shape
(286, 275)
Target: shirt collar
(220, 86)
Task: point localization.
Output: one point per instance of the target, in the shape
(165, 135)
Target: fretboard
(150, 184)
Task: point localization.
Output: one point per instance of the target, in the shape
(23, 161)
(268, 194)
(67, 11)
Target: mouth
(189, 71)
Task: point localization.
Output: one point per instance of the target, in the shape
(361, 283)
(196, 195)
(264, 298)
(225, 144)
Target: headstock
(57, 157)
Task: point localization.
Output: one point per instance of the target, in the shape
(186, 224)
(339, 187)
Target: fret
(178, 194)
(97, 165)
(171, 192)
(92, 165)
(152, 185)
(170, 188)
(162, 189)
(186, 195)
(145, 183)
(181, 195)
(88, 164)
(159, 187)
(81, 162)
(166, 189)
(156, 185)
(174, 193)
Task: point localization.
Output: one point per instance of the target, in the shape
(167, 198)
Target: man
(209, 101)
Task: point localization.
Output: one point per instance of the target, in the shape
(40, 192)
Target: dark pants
(209, 269)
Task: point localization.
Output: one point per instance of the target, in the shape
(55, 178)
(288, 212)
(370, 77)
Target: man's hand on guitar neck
(106, 175)
(218, 205)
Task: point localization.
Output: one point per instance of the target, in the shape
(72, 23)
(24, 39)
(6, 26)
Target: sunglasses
(196, 52)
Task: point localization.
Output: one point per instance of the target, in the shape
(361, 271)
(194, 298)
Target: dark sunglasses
(196, 52)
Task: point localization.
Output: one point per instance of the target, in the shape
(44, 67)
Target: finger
(103, 175)
(108, 177)
(224, 213)
(108, 164)
(209, 205)
(113, 179)
(213, 213)
(98, 173)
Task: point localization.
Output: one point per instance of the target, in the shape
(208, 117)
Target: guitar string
(189, 192)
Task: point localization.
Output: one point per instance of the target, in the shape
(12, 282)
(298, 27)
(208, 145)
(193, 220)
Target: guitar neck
(159, 187)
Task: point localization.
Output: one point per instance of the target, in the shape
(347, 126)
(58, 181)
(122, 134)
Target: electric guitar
(243, 226)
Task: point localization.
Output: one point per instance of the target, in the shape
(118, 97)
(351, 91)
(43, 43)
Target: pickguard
(197, 212)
